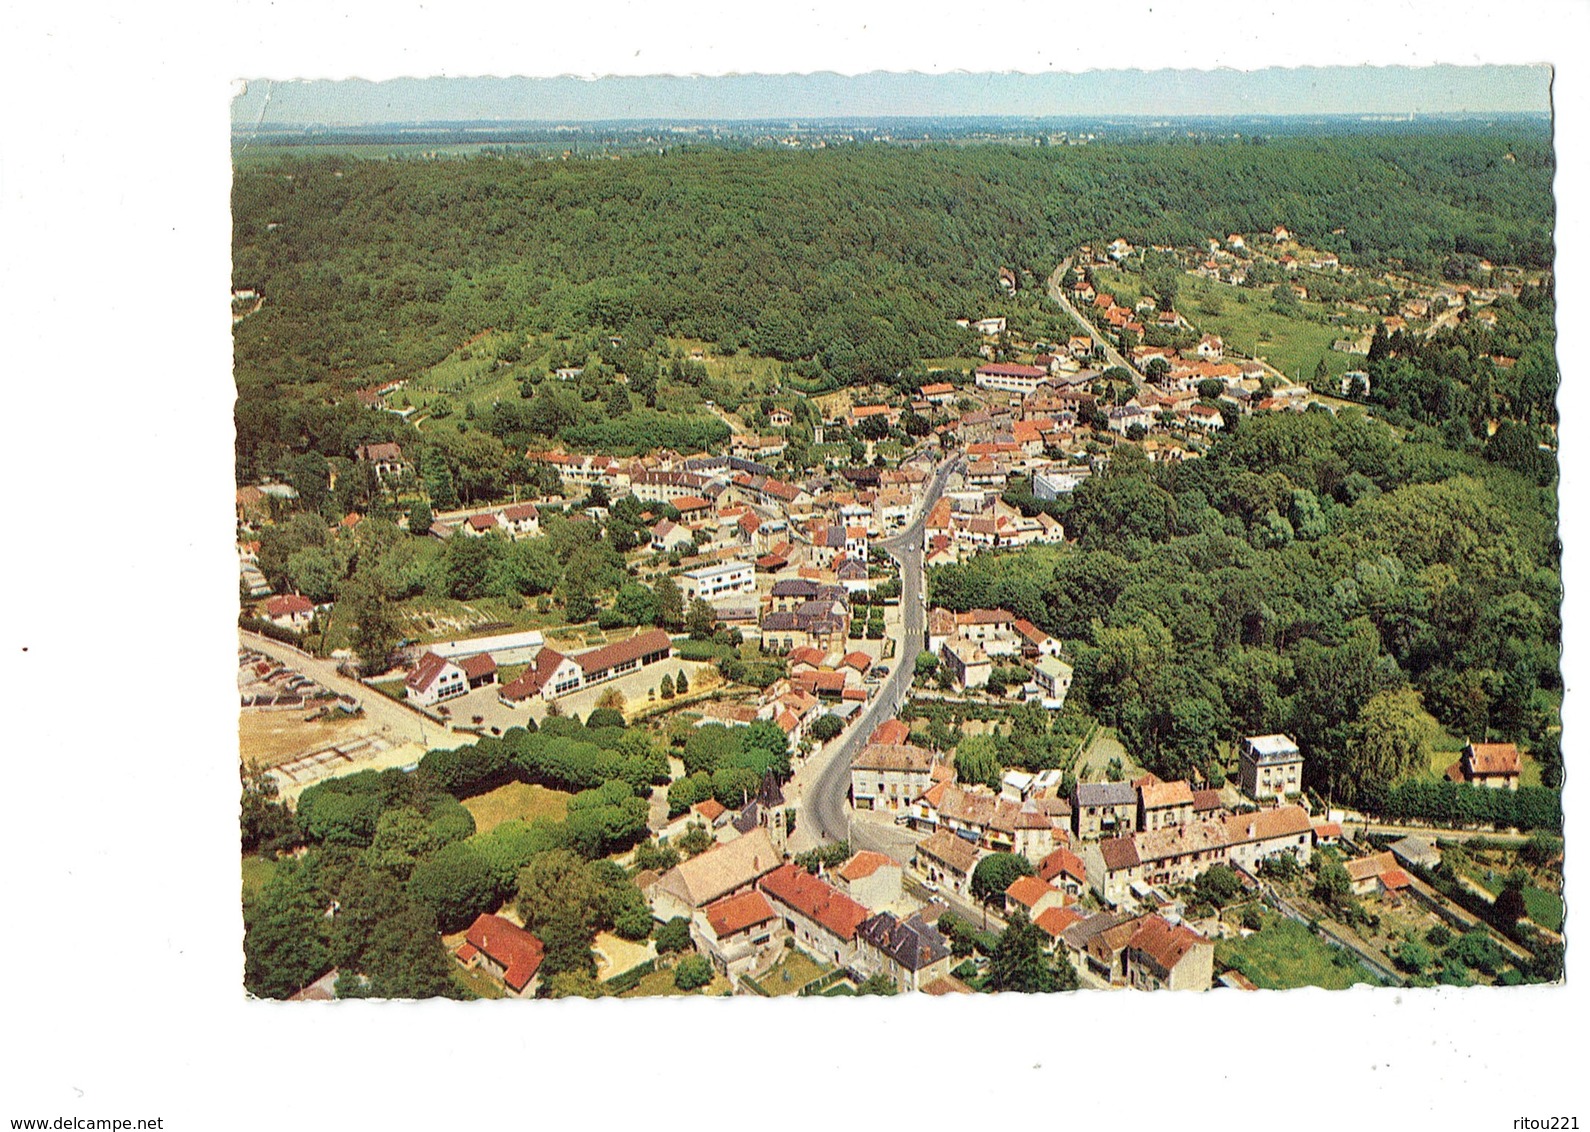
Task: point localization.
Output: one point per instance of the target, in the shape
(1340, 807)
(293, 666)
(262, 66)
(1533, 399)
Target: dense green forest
(847, 264)
(1312, 575)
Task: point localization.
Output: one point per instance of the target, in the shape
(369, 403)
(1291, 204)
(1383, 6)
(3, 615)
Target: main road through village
(826, 802)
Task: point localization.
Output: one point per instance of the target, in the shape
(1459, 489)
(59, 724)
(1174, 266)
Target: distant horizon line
(1351, 115)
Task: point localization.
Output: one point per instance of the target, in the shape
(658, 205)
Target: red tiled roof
(1492, 758)
(711, 809)
(1157, 795)
(652, 640)
(815, 899)
(425, 672)
(808, 655)
(481, 664)
(1028, 890)
(534, 678)
(288, 603)
(520, 511)
(864, 864)
(1395, 879)
(482, 522)
(1266, 824)
(1062, 862)
(890, 733)
(736, 913)
(519, 952)
(1163, 942)
(1053, 921)
(1119, 853)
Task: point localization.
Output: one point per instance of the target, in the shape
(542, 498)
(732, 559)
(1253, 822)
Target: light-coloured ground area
(516, 800)
(615, 955)
(270, 738)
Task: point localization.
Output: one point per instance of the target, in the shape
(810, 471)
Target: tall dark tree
(1021, 962)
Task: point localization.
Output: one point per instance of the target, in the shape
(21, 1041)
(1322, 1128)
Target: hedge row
(1450, 803)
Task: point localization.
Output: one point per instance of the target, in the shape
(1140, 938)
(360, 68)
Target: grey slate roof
(1106, 794)
(910, 943)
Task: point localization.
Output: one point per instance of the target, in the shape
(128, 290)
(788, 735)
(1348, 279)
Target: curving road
(1058, 294)
(826, 804)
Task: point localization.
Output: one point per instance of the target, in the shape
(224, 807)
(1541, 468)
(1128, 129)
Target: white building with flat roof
(712, 582)
(506, 648)
(1272, 767)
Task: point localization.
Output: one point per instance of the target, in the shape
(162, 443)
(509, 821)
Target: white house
(522, 520)
(710, 582)
(433, 680)
(290, 611)
(1053, 677)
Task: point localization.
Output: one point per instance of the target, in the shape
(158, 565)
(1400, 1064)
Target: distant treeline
(851, 261)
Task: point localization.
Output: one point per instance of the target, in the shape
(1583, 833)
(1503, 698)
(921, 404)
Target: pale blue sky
(1305, 90)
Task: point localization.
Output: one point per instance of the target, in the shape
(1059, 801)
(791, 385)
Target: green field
(470, 373)
(794, 971)
(1545, 908)
(516, 801)
(1292, 345)
(660, 984)
(477, 982)
(256, 872)
(1284, 954)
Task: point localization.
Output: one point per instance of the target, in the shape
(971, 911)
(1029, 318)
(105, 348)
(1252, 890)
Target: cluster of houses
(967, 645)
(1125, 843)
(746, 905)
(963, 522)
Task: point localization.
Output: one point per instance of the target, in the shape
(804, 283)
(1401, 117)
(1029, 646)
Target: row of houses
(1127, 870)
(437, 678)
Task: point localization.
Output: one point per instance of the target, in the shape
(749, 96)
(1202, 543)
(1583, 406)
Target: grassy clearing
(443, 619)
(392, 689)
(794, 971)
(1284, 954)
(517, 801)
(1445, 750)
(1292, 345)
(478, 982)
(1545, 908)
(660, 984)
(257, 871)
